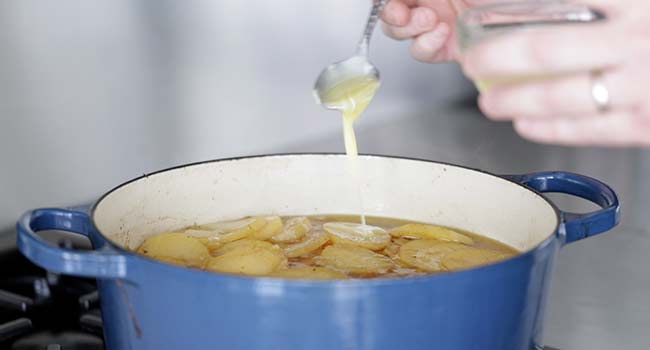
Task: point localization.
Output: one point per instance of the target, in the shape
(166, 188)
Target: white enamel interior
(320, 184)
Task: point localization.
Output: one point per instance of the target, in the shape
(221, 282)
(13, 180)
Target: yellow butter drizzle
(352, 97)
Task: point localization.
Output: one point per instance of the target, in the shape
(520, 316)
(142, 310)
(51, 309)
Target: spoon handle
(375, 12)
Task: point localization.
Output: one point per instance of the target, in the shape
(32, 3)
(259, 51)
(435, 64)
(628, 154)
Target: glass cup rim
(553, 13)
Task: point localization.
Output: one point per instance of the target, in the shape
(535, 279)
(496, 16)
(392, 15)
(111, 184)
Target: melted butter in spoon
(351, 97)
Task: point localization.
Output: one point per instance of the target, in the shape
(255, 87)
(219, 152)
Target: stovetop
(600, 290)
(40, 310)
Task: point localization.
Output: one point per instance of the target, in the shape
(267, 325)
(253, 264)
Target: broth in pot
(324, 247)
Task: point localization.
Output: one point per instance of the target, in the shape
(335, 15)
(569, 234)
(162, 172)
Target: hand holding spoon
(329, 90)
(349, 86)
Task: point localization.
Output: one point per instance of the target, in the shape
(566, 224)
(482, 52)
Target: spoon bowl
(339, 72)
(357, 66)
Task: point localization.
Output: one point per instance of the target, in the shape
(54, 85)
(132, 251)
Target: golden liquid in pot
(324, 247)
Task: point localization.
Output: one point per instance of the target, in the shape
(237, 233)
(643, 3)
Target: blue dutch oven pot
(152, 305)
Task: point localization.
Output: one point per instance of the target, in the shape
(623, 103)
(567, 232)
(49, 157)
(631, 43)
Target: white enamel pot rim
(130, 255)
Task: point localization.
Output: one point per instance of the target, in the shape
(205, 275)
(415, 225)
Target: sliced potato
(247, 257)
(322, 248)
(430, 232)
(391, 251)
(306, 261)
(353, 259)
(274, 226)
(205, 237)
(173, 261)
(294, 230)
(404, 272)
(366, 236)
(215, 234)
(309, 273)
(246, 243)
(427, 254)
(256, 222)
(312, 242)
(466, 258)
(176, 248)
(401, 241)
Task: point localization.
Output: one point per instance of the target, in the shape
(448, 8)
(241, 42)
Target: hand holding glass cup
(488, 22)
(561, 71)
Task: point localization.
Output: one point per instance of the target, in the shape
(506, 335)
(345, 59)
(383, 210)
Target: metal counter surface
(601, 289)
(600, 295)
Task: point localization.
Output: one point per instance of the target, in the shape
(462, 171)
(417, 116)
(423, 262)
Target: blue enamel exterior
(150, 305)
(578, 226)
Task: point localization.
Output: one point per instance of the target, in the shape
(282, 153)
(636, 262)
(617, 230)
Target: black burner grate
(45, 311)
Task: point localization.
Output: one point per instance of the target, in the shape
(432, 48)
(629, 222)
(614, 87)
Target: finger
(620, 128)
(428, 47)
(423, 19)
(556, 50)
(561, 97)
(397, 12)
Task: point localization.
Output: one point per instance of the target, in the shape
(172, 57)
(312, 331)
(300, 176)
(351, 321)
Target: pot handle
(577, 226)
(103, 263)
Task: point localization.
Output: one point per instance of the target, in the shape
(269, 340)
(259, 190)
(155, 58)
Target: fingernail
(436, 38)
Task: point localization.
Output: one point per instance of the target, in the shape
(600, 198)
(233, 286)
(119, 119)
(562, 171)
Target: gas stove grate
(42, 310)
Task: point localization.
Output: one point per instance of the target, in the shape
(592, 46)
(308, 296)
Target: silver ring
(599, 91)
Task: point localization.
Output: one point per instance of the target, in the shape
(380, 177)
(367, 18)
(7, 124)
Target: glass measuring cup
(485, 22)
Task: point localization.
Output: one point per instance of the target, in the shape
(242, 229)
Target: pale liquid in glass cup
(485, 22)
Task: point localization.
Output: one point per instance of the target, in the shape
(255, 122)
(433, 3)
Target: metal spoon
(355, 66)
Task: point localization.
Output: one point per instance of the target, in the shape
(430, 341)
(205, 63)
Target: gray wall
(95, 92)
